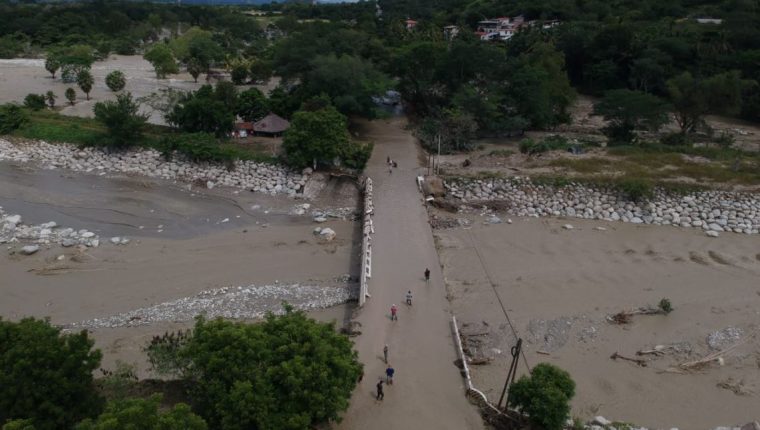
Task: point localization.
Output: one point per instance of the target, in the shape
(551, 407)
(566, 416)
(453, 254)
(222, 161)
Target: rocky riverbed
(242, 302)
(250, 175)
(712, 211)
(13, 230)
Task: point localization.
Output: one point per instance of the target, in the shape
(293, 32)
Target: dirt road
(428, 392)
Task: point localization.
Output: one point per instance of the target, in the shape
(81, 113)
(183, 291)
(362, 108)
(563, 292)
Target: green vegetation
(290, 372)
(162, 59)
(122, 119)
(544, 395)
(144, 414)
(549, 143)
(50, 98)
(208, 110)
(252, 105)
(35, 101)
(46, 376)
(71, 95)
(319, 137)
(628, 111)
(12, 117)
(85, 81)
(665, 306)
(115, 81)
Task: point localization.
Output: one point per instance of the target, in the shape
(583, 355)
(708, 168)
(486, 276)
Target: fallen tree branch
(638, 361)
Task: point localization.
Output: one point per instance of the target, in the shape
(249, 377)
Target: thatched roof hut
(271, 125)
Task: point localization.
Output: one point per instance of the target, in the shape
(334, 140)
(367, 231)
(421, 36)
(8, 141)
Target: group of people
(391, 165)
(390, 371)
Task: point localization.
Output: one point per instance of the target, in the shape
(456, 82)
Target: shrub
(544, 395)
(115, 81)
(123, 120)
(11, 118)
(665, 306)
(199, 147)
(35, 101)
(675, 139)
(636, 189)
(356, 155)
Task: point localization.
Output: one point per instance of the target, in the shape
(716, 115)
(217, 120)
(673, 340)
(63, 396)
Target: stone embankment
(13, 230)
(711, 211)
(259, 177)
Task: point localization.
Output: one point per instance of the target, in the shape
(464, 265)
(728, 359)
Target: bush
(665, 306)
(636, 189)
(549, 143)
(144, 414)
(356, 155)
(544, 395)
(199, 147)
(12, 117)
(123, 120)
(115, 81)
(675, 139)
(35, 101)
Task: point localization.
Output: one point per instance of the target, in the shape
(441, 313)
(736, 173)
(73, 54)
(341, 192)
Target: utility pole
(438, 159)
(515, 351)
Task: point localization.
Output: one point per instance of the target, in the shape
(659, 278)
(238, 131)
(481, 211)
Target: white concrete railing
(368, 229)
(470, 389)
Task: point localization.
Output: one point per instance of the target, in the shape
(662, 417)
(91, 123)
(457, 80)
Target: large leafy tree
(162, 59)
(628, 111)
(315, 137)
(286, 373)
(122, 118)
(46, 376)
(252, 105)
(203, 111)
(144, 414)
(52, 64)
(349, 81)
(693, 98)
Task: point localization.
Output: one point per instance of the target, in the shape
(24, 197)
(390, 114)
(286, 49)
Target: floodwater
(21, 76)
(120, 205)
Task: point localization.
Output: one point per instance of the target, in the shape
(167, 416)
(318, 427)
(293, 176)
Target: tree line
(287, 372)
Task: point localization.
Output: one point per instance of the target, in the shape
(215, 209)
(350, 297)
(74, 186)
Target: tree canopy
(162, 59)
(122, 118)
(46, 376)
(628, 111)
(143, 414)
(315, 137)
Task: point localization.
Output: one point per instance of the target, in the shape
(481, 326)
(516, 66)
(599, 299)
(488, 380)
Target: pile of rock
(602, 423)
(712, 211)
(13, 230)
(238, 302)
(259, 177)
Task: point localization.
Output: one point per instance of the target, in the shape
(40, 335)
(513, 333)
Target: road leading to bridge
(428, 391)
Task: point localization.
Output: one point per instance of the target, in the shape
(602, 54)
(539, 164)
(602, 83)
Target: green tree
(315, 137)
(162, 59)
(252, 105)
(628, 111)
(12, 117)
(19, 425)
(202, 112)
(544, 395)
(195, 68)
(144, 414)
(260, 70)
(50, 98)
(122, 118)
(85, 82)
(52, 64)
(35, 101)
(46, 376)
(455, 129)
(290, 372)
(694, 98)
(115, 81)
(239, 73)
(350, 82)
(205, 51)
(71, 95)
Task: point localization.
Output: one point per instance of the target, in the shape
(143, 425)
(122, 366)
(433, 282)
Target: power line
(493, 286)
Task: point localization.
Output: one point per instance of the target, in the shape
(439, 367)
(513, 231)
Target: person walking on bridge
(389, 375)
(380, 394)
(427, 275)
(394, 309)
(385, 353)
